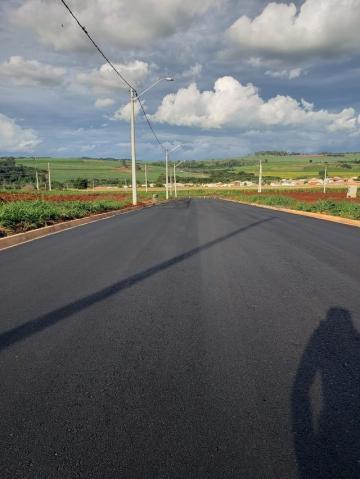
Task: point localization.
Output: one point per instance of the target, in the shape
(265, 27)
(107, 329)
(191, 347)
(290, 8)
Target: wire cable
(96, 46)
(115, 70)
(149, 124)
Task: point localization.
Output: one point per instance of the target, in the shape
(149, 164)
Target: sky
(250, 75)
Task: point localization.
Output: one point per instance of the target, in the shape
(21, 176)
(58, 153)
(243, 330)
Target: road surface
(198, 339)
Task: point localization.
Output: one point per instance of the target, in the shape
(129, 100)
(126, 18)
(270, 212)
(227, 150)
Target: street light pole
(167, 172)
(49, 176)
(260, 178)
(146, 182)
(134, 96)
(175, 166)
(167, 151)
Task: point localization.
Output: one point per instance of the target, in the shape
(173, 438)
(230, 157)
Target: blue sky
(250, 75)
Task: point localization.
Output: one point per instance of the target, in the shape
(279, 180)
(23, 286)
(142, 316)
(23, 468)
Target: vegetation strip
(38, 233)
(319, 216)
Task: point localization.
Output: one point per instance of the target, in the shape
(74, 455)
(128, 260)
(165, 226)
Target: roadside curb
(20, 238)
(319, 216)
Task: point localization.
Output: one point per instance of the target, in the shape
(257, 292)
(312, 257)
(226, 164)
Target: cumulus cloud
(14, 138)
(19, 71)
(124, 112)
(105, 78)
(234, 105)
(104, 102)
(124, 24)
(319, 27)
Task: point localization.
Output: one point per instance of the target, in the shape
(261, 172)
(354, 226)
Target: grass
(64, 169)
(20, 216)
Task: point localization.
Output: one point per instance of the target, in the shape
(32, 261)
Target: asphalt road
(201, 339)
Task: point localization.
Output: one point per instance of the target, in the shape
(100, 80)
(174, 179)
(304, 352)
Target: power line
(115, 70)
(96, 46)
(149, 123)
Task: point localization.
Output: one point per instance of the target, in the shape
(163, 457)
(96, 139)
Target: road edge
(318, 216)
(38, 233)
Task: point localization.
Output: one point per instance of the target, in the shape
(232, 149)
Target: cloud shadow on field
(45, 321)
(328, 446)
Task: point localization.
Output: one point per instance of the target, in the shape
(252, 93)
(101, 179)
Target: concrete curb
(20, 238)
(318, 216)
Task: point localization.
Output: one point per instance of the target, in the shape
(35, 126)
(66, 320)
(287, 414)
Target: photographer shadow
(329, 447)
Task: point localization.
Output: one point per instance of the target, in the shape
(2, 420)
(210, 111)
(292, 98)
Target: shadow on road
(19, 333)
(328, 446)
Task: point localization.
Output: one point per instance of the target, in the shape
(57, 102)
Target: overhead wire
(83, 28)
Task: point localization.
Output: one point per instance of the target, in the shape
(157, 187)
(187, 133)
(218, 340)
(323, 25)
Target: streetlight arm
(175, 148)
(139, 95)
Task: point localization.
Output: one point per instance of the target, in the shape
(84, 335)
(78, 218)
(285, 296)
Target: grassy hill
(282, 166)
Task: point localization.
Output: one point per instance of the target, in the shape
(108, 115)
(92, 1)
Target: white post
(146, 183)
(133, 148)
(37, 180)
(166, 173)
(49, 176)
(175, 181)
(325, 179)
(260, 178)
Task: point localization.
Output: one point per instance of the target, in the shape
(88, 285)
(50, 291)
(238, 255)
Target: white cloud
(15, 138)
(234, 105)
(121, 23)
(319, 27)
(105, 78)
(19, 71)
(124, 112)
(290, 74)
(104, 102)
(193, 72)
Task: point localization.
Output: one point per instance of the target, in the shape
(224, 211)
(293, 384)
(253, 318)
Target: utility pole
(175, 192)
(325, 179)
(167, 151)
(49, 176)
(133, 98)
(175, 166)
(260, 178)
(171, 185)
(37, 180)
(167, 173)
(146, 183)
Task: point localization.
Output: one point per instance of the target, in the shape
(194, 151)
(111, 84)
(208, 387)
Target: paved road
(201, 339)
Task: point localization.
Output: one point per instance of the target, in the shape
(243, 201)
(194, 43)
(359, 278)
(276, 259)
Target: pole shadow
(47, 320)
(329, 447)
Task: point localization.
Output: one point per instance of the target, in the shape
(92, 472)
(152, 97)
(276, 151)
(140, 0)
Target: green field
(291, 166)
(63, 169)
(303, 166)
